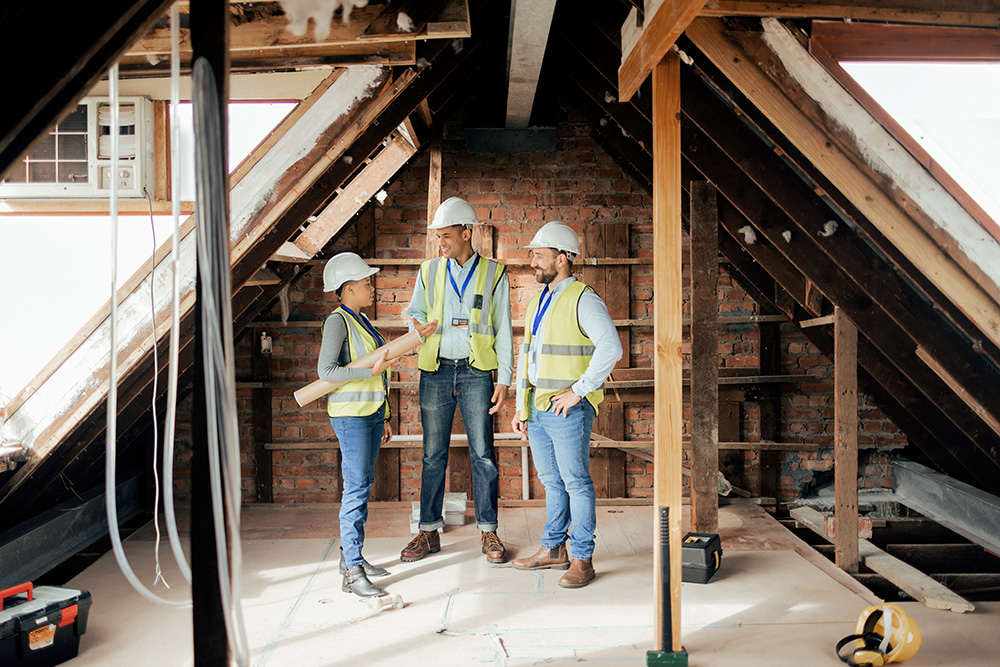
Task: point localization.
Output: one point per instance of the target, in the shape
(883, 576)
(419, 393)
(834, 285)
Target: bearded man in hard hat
(470, 296)
(570, 347)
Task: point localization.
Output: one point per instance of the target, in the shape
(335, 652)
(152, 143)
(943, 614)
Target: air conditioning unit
(74, 160)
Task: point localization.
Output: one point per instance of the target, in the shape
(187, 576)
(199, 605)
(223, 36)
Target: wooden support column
(704, 358)
(770, 361)
(845, 364)
(668, 380)
(434, 186)
(209, 40)
(262, 419)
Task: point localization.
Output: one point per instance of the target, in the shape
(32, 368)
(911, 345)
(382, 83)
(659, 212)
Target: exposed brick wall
(581, 185)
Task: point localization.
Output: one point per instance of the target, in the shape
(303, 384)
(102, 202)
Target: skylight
(952, 110)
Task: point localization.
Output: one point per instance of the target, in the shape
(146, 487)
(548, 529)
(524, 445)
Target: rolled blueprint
(397, 348)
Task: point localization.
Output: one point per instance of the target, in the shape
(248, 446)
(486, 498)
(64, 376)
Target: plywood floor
(774, 602)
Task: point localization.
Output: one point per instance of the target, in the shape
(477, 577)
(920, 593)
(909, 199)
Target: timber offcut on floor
(775, 601)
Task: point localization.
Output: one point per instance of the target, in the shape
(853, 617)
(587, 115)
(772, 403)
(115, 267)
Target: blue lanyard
(447, 264)
(540, 313)
(363, 321)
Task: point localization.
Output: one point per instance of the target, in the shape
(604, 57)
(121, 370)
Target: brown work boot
(493, 547)
(546, 559)
(426, 542)
(581, 572)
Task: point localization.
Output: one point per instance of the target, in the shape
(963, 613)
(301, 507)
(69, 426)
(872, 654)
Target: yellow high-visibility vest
(482, 333)
(565, 354)
(358, 398)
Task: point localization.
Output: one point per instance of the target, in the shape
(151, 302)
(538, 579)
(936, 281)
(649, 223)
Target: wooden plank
(814, 299)
(845, 440)
(289, 252)
(816, 322)
(661, 29)
(769, 337)
(911, 581)
(984, 13)
(48, 207)
(264, 276)
(617, 284)
(908, 43)
(356, 195)
(704, 233)
(607, 463)
(434, 186)
(668, 419)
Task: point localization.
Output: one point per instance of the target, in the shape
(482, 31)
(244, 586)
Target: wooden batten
(668, 419)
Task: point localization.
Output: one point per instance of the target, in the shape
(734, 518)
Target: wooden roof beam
(985, 13)
(645, 45)
(530, 21)
(905, 43)
(843, 141)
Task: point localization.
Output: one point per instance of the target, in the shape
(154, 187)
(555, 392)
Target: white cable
(175, 249)
(152, 409)
(111, 432)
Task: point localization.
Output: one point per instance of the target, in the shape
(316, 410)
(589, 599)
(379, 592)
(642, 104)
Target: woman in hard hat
(358, 409)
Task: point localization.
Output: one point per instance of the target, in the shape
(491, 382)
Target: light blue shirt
(597, 325)
(456, 343)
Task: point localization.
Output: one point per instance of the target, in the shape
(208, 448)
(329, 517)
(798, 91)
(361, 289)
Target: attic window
(60, 158)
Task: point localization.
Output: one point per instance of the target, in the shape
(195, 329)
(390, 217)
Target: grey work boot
(370, 570)
(356, 581)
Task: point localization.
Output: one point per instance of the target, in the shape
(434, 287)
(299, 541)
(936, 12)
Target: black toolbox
(41, 626)
(701, 556)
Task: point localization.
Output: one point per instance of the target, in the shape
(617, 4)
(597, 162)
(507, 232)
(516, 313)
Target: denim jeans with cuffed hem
(360, 439)
(560, 450)
(457, 383)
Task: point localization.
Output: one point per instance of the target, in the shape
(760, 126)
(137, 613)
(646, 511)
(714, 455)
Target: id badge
(459, 323)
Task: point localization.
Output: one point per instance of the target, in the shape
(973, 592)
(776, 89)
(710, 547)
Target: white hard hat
(556, 235)
(453, 211)
(345, 267)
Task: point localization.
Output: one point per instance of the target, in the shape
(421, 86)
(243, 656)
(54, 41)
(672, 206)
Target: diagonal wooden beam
(984, 13)
(661, 28)
(355, 195)
(846, 144)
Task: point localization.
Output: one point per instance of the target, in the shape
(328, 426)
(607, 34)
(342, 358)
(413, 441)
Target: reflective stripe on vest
(482, 333)
(565, 352)
(358, 398)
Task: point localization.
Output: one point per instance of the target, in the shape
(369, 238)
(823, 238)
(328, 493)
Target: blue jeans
(360, 439)
(560, 449)
(457, 383)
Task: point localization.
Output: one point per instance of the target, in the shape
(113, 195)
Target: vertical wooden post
(668, 420)
(845, 381)
(704, 358)
(262, 421)
(434, 187)
(209, 40)
(770, 428)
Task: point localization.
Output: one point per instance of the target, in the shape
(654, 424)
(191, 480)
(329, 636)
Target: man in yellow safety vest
(470, 296)
(570, 347)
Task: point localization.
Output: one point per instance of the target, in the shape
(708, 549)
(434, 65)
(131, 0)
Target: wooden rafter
(984, 13)
(901, 211)
(659, 31)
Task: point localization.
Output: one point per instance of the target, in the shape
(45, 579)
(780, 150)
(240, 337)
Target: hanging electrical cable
(111, 431)
(215, 295)
(175, 257)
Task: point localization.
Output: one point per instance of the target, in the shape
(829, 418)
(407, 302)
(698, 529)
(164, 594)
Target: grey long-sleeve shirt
(335, 353)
